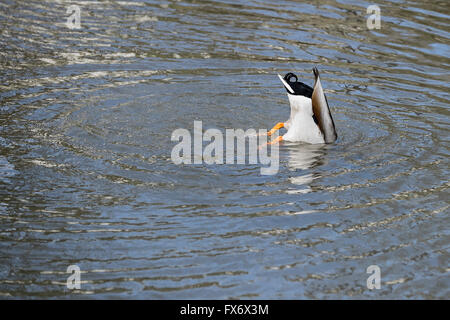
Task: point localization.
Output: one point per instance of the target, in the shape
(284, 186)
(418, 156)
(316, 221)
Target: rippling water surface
(86, 177)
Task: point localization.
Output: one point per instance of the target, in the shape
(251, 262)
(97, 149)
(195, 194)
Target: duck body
(310, 120)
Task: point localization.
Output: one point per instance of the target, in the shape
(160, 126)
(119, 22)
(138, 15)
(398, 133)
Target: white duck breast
(301, 125)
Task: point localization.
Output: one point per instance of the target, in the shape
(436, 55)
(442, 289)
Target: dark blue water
(86, 178)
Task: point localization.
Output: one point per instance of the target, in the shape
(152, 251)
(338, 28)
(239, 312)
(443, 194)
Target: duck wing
(322, 111)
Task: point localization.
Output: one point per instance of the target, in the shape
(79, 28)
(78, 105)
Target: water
(86, 176)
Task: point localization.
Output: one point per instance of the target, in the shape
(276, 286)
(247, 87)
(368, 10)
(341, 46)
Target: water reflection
(305, 156)
(301, 158)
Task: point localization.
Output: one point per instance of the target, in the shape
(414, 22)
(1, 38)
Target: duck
(310, 120)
